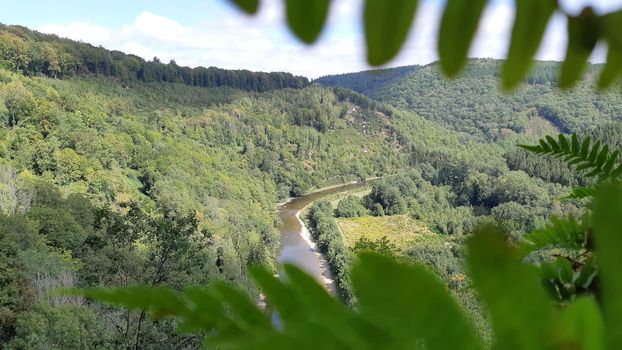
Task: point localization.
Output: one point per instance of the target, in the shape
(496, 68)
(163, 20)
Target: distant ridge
(366, 81)
(475, 104)
(34, 53)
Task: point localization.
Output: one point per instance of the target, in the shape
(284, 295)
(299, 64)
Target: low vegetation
(401, 230)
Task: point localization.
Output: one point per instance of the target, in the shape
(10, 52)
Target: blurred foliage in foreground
(387, 25)
(403, 306)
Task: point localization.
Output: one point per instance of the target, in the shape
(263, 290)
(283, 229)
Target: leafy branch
(566, 233)
(594, 158)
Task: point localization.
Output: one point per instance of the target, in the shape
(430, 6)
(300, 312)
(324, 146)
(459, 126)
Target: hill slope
(109, 177)
(474, 103)
(367, 81)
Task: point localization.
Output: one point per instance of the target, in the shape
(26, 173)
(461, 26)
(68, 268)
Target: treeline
(328, 237)
(34, 53)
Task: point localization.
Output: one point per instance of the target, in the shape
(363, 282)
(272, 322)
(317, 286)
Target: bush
(388, 196)
(350, 207)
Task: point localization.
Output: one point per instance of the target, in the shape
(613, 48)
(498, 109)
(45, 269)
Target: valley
(116, 171)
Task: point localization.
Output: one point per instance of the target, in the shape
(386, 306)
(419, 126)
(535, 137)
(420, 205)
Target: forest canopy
(34, 53)
(154, 186)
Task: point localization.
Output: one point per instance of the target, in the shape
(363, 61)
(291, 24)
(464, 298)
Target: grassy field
(402, 230)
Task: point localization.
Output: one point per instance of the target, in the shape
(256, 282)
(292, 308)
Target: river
(296, 245)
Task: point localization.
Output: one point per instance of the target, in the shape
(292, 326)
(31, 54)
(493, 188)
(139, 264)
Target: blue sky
(213, 33)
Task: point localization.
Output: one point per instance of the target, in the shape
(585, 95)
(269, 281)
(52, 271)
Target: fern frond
(580, 193)
(566, 233)
(596, 159)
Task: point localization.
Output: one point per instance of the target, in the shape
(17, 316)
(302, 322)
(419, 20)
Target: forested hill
(475, 104)
(34, 53)
(115, 171)
(367, 81)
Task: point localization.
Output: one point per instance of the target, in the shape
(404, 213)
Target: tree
(381, 246)
(350, 207)
(19, 103)
(14, 51)
(52, 59)
(388, 197)
(68, 327)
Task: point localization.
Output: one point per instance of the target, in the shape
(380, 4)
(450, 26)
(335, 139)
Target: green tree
(67, 327)
(350, 207)
(19, 103)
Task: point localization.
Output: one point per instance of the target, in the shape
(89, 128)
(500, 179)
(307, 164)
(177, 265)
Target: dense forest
(368, 81)
(474, 103)
(115, 171)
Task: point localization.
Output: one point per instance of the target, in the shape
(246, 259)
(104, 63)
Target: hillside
(367, 81)
(475, 104)
(112, 177)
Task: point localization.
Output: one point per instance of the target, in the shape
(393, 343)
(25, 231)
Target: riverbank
(297, 245)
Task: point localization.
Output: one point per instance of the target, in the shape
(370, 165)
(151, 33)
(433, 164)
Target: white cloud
(86, 32)
(229, 39)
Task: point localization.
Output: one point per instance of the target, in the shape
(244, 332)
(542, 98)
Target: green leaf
(323, 309)
(411, 305)
(602, 157)
(458, 27)
(611, 29)
(585, 166)
(306, 18)
(563, 142)
(583, 34)
(613, 157)
(386, 27)
(503, 283)
(576, 148)
(207, 312)
(535, 149)
(243, 307)
(553, 144)
(594, 152)
(248, 6)
(580, 326)
(581, 192)
(545, 147)
(532, 17)
(613, 34)
(608, 239)
(612, 69)
(585, 147)
(279, 295)
(159, 300)
(565, 233)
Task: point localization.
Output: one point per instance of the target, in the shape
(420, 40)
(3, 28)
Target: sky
(214, 33)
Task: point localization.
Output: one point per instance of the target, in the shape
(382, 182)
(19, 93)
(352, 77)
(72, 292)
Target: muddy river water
(296, 244)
